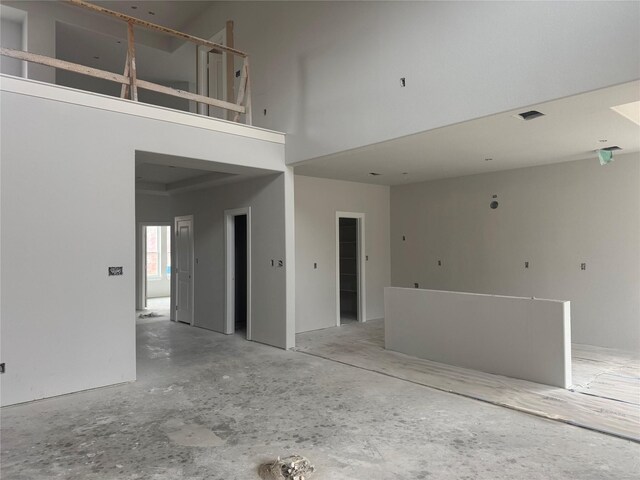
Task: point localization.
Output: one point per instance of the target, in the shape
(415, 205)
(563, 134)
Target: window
(158, 252)
(153, 250)
(168, 251)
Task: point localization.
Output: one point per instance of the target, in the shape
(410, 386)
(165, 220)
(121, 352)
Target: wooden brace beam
(72, 67)
(131, 55)
(116, 77)
(124, 91)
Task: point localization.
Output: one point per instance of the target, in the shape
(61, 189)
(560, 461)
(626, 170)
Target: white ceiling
(173, 14)
(570, 130)
(168, 174)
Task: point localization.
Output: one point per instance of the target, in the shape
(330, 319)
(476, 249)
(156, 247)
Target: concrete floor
(210, 406)
(159, 303)
(605, 396)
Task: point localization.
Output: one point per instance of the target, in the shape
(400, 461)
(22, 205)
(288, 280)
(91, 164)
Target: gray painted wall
(555, 217)
(317, 200)
(265, 196)
(153, 208)
(518, 337)
(67, 207)
(328, 73)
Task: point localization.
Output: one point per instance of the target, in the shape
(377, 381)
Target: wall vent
(530, 115)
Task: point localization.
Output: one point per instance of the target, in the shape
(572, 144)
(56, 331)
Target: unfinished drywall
(265, 196)
(328, 73)
(316, 201)
(554, 217)
(517, 337)
(68, 171)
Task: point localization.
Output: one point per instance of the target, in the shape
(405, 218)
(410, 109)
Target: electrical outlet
(415, 285)
(315, 265)
(583, 266)
(366, 258)
(115, 271)
(439, 263)
(2, 369)
(404, 239)
(403, 82)
(526, 264)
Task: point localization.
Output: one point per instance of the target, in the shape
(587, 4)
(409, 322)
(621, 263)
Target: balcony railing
(129, 79)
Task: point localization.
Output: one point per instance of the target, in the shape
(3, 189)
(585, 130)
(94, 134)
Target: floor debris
(294, 467)
(149, 315)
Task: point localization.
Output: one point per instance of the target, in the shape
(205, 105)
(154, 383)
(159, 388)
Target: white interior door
(211, 79)
(217, 83)
(184, 269)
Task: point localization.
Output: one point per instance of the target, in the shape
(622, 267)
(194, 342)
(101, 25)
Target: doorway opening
(238, 271)
(154, 282)
(350, 262)
(240, 260)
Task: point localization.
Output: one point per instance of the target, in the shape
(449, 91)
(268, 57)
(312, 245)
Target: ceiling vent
(613, 148)
(530, 115)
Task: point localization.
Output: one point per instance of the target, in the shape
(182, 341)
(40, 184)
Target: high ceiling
(174, 14)
(572, 129)
(100, 41)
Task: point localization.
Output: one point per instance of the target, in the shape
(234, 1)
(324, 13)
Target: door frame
(174, 279)
(141, 275)
(361, 258)
(229, 241)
